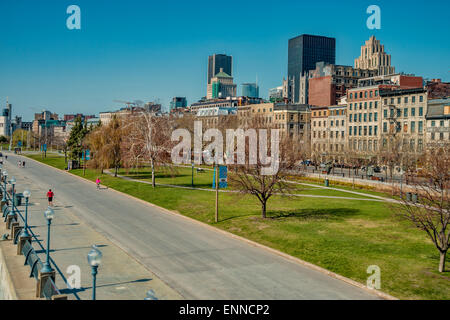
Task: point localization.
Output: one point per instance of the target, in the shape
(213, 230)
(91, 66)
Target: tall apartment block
(303, 53)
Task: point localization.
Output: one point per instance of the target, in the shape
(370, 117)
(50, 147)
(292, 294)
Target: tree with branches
(431, 212)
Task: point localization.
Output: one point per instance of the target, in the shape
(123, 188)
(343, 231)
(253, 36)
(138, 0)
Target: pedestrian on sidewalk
(98, 183)
(50, 196)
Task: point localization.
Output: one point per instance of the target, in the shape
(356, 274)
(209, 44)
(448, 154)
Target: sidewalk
(120, 277)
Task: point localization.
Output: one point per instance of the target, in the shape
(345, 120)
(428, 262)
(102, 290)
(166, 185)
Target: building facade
(303, 53)
(438, 123)
(250, 90)
(373, 57)
(178, 102)
(221, 86)
(404, 118)
(217, 62)
(329, 82)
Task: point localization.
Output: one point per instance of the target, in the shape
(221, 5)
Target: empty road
(196, 261)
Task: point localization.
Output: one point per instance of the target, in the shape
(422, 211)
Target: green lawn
(344, 236)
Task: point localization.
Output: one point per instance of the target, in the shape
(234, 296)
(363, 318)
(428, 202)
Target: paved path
(197, 261)
(235, 191)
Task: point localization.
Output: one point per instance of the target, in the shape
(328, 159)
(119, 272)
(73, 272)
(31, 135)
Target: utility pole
(217, 194)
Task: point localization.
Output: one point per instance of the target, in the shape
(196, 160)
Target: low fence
(46, 287)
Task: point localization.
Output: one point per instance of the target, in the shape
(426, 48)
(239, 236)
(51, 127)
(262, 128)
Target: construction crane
(129, 104)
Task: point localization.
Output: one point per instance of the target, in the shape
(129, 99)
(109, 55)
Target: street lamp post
(27, 195)
(5, 176)
(94, 259)
(49, 214)
(13, 192)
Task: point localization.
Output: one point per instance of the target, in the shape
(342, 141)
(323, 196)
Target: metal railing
(49, 288)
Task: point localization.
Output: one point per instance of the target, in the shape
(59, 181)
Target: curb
(251, 242)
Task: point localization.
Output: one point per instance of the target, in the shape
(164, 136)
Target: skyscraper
(217, 62)
(250, 90)
(373, 57)
(303, 53)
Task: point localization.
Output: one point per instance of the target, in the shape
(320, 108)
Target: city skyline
(112, 57)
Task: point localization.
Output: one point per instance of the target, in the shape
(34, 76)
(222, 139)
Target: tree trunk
(115, 171)
(442, 261)
(153, 174)
(263, 209)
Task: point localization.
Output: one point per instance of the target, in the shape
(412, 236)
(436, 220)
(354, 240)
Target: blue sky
(144, 50)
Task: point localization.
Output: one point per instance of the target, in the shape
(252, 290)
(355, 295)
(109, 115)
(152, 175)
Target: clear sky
(144, 50)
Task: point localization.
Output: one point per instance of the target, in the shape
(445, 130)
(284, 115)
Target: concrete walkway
(120, 277)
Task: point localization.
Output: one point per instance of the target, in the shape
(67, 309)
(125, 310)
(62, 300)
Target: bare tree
(248, 178)
(431, 212)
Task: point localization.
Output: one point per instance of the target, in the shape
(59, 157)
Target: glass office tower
(303, 53)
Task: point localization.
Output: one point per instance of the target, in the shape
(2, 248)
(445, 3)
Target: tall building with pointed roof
(373, 57)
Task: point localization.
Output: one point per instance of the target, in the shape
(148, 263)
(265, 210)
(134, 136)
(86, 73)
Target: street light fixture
(13, 184)
(49, 214)
(94, 259)
(151, 295)
(27, 195)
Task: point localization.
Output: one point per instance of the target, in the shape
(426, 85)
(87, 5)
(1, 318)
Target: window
(342, 134)
(441, 136)
(360, 106)
(350, 131)
(419, 145)
(331, 123)
(375, 116)
(370, 104)
(365, 94)
(375, 130)
(399, 113)
(370, 130)
(385, 113)
(370, 93)
(376, 104)
(370, 117)
(441, 123)
(365, 105)
(413, 126)
(405, 112)
(354, 130)
(359, 130)
(420, 111)
(365, 130)
(433, 123)
(399, 100)
(376, 93)
(355, 118)
(413, 99)
(413, 112)
(351, 97)
(420, 127)
(350, 106)
(412, 144)
(384, 127)
(350, 118)
(359, 117)
(406, 99)
(420, 98)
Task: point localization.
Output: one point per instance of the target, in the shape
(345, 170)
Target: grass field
(344, 236)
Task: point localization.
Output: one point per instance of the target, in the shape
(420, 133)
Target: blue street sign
(223, 171)
(88, 155)
(19, 144)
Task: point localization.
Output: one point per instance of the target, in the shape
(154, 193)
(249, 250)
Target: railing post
(9, 219)
(15, 228)
(42, 280)
(21, 243)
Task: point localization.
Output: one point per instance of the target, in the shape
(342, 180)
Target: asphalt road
(196, 261)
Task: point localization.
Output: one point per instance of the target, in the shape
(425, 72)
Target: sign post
(219, 181)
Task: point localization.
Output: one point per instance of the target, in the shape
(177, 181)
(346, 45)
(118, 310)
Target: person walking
(50, 196)
(98, 183)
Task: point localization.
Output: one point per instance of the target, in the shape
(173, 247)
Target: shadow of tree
(313, 214)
